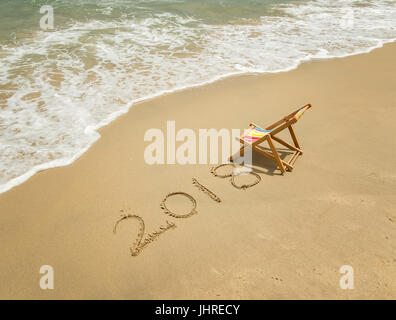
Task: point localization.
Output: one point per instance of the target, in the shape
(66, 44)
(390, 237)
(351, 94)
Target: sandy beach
(285, 238)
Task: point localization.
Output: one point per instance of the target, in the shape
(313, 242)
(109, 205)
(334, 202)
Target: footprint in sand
(279, 279)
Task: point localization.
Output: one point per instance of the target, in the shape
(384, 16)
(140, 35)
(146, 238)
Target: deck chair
(256, 135)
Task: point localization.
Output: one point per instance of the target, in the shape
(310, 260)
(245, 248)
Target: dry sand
(285, 238)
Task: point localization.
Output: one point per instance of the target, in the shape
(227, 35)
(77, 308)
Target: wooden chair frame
(285, 123)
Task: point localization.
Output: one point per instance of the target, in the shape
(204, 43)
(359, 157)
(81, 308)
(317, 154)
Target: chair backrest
(300, 112)
(288, 120)
(254, 133)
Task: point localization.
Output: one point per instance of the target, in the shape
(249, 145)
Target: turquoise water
(20, 17)
(58, 86)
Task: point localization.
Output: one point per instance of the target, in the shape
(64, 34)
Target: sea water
(58, 86)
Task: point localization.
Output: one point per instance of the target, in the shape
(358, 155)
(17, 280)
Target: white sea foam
(61, 86)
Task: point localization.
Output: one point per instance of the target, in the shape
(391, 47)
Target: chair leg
(286, 144)
(293, 135)
(283, 165)
(294, 157)
(272, 157)
(276, 155)
(241, 153)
